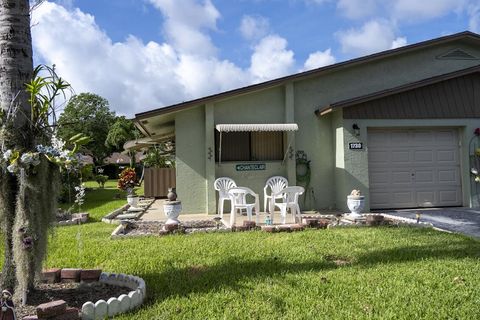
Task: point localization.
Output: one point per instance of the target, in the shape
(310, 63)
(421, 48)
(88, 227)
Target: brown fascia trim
(380, 94)
(141, 127)
(306, 74)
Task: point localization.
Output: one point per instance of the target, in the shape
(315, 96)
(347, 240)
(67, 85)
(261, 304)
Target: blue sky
(144, 54)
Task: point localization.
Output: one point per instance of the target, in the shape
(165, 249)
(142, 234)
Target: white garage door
(411, 168)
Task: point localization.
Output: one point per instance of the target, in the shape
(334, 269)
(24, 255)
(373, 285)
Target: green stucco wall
(335, 170)
(190, 159)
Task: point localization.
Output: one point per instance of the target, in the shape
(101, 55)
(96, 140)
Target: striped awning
(257, 127)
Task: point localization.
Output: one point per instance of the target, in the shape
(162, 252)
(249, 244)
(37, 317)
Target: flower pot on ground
(172, 210)
(132, 200)
(127, 182)
(356, 203)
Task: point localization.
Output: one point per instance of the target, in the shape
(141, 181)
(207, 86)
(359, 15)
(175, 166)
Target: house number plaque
(251, 167)
(355, 146)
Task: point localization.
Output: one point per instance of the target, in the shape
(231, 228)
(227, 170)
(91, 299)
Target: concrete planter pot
(356, 204)
(172, 210)
(132, 200)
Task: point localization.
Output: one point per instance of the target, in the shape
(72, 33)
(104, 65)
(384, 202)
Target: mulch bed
(75, 294)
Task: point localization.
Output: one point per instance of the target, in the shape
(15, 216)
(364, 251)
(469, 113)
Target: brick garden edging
(58, 310)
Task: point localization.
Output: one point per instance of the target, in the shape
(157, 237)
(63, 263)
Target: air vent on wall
(457, 54)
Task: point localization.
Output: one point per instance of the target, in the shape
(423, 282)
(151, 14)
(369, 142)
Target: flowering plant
(56, 152)
(127, 180)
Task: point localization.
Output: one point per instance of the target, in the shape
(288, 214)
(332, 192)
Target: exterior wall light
(356, 129)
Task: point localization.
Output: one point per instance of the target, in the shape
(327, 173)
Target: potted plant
(355, 203)
(127, 182)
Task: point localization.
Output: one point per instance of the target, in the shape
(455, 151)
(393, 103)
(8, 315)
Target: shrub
(101, 179)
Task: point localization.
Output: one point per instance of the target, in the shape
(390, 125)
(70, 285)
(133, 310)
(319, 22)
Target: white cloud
(132, 75)
(356, 9)
(474, 17)
(136, 76)
(254, 27)
(373, 36)
(185, 22)
(399, 42)
(418, 10)
(319, 59)
(271, 59)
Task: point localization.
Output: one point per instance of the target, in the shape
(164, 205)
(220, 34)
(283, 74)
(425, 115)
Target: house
(398, 125)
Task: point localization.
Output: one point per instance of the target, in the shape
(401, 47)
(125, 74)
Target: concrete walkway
(461, 220)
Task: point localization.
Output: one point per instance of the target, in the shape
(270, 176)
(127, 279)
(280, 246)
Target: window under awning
(257, 127)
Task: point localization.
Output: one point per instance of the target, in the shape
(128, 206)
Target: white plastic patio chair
(222, 185)
(289, 196)
(238, 196)
(275, 184)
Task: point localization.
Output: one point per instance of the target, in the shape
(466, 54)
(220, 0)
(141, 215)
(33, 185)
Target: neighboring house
(122, 159)
(396, 125)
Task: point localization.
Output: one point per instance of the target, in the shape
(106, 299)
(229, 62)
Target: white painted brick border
(114, 305)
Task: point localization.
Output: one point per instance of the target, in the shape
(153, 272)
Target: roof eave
(306, 74)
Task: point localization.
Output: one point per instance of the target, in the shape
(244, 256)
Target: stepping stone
(88, 311)
(126, 216)
(101, 310)
(113, 307)
(135, 209)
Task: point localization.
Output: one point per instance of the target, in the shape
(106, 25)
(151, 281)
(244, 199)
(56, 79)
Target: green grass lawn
(390, 273)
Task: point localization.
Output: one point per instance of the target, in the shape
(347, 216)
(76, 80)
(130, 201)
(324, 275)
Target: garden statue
(7, 311)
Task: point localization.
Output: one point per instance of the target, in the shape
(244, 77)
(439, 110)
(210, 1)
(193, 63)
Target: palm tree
(16, 67)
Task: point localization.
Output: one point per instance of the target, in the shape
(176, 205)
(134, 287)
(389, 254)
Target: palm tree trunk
(16, 67)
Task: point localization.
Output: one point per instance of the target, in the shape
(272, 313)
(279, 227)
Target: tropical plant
(160, 156)
(127, 180)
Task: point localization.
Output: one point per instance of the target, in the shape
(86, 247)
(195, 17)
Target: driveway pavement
(461, 220)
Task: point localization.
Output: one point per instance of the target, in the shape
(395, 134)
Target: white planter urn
(356, 204)
(172, 210)
(132, 200)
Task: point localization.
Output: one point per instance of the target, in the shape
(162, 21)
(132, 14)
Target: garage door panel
(414, 168)
(447, 156)
(380, 157)
(398, 138)
(422, 138)
(449, 197)
(404, 198)
(448, 176)
(423, 156)
(425, 198)
(401, 177)
(447, 137)
(400, 157)
(380, 177)
(424, 176)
